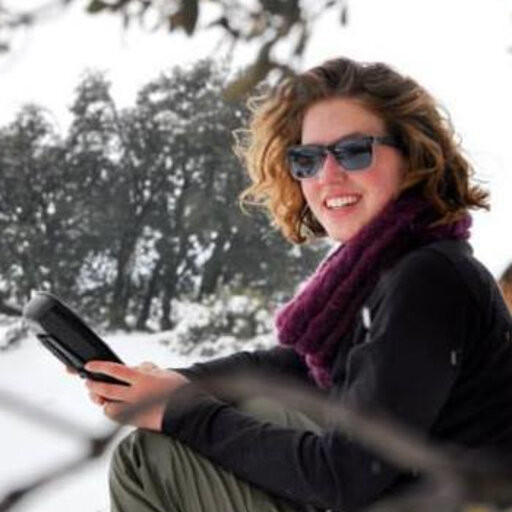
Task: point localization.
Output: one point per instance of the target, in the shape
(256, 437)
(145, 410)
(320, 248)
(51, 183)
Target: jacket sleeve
(277, 359)
(405, 366)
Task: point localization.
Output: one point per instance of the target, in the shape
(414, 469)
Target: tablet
(67, 336)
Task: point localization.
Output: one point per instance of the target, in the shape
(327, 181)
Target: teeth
(338, 202)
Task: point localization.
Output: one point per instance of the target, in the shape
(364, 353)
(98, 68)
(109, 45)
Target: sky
(459, 50)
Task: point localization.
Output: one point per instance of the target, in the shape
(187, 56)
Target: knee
(126, 457)
(134, 452)
(140, 472)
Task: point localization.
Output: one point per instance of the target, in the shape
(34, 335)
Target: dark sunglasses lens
(304, 162)
(355, 155)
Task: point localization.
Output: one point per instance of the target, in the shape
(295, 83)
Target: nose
(331, 170)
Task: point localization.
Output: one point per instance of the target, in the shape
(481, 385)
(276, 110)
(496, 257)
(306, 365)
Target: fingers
(152, 368)
(98, 400)
(113, 409)
(150, 418)
(117, 370)
(147, 366)
(149, 386)
(108, 391)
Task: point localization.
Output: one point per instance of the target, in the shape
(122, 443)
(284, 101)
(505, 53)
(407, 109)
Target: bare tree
(265, 23)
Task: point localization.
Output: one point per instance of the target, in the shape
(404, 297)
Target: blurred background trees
(261, 24)
(134, 209)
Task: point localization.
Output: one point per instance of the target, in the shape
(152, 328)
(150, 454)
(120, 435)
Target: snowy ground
(28, 449)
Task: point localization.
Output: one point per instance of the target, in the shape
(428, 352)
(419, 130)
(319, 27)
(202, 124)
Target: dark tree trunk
(213, 269)
(151, 291)
(117, 310)
(170, 282)
(167, 296)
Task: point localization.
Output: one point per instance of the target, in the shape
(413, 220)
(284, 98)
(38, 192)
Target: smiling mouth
(335, 203)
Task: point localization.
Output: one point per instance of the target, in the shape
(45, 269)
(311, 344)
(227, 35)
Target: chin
(342, 235)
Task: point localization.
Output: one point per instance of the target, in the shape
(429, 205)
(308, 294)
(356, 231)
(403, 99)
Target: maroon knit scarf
(315, 321)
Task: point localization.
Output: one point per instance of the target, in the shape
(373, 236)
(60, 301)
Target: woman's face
(369, 189)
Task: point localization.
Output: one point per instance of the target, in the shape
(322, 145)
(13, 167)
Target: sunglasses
(353, 154)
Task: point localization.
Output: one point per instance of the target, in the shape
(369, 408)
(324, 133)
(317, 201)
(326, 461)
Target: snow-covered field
(28, 449)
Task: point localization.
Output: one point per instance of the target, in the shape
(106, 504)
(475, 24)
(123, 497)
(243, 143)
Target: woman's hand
(145, 381)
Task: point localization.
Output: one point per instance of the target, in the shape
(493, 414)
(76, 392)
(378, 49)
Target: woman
(400, 318)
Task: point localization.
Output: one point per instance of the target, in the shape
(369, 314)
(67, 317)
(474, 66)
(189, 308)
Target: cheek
(383, 186)
(310, 192)
(384, 191)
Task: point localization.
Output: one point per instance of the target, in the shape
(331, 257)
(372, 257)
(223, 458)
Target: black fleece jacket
(432, 348)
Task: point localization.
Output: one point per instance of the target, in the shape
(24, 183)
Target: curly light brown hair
(435, 161)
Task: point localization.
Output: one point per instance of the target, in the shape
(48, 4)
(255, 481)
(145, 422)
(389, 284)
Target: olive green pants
(151, 472)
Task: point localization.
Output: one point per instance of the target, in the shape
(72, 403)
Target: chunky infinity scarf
(315, 321)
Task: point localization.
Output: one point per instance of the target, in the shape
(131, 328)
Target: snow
(32, 374)
(29, 449)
